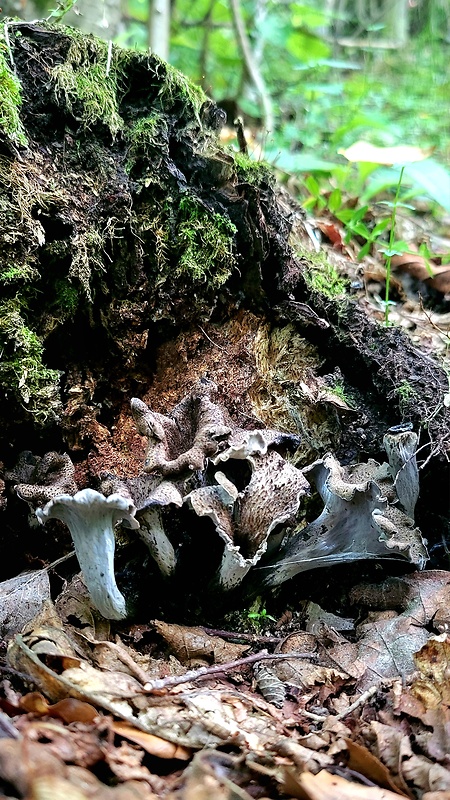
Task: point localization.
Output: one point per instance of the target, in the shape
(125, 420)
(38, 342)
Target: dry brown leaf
(193, 644)
(69, 709)
(80, 745)
(433, 662)
(325, 786)
(363, 761)
(21, 598)
(435, 275)
(125, 762)
(407, 768)
(214, 776)
(57, 788)
(387, 643)
(22, 761)
(150, 743)
(83, 785)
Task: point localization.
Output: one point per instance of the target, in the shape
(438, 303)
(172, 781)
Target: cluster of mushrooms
(244, 483)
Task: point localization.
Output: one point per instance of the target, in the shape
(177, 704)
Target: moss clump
(204, 243)
(14, 274)
(22, 371)
(320, 275)
(87, 257)
(145, 136)
(253, 172)
(67, 299)
(10, 102)
(405, 394)
(177, 90)
(91, 94)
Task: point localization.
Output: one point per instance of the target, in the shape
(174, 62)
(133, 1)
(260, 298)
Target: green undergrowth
(178, 89)
(94, 80)
(10, 102)
(189, 242)
(145, 136)
(22, 370)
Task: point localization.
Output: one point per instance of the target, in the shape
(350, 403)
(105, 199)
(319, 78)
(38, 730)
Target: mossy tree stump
(137, 255)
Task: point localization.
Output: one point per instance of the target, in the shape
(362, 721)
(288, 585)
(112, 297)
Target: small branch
(218, 669)
(359, 702)
(244, 637)
(210, 340)
(250, 64)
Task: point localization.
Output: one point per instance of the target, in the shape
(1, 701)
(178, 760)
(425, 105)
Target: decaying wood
(146, 258)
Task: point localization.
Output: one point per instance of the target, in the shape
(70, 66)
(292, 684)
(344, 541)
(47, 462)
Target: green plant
(394, 248)
(258, 615)
(63, 6)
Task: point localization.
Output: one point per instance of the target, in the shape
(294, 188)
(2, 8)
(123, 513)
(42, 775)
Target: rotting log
(138, 256)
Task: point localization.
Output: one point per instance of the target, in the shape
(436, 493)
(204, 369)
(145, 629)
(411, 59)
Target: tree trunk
(159, 28)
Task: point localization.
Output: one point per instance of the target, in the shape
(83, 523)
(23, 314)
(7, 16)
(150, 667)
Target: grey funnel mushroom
(356, 523)
(181, 442)
(90, 517)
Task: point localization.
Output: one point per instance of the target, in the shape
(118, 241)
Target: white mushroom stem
(90, 517)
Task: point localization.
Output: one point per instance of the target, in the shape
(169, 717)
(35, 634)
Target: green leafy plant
(258, 615)
(393, 249)
(62, 8)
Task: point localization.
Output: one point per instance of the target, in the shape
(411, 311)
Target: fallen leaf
(324, 786)
(150, 743)
(68, 710)
(433, 662)
(363, 761)
(21, 598)
(191, 644)
(364, 151)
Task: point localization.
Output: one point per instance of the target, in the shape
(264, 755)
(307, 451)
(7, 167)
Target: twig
(246, 637)
(315, 717)
(250, 64)
(206, 672)
(359, 702)
(210, 340)
(108, 60)
(127, 660)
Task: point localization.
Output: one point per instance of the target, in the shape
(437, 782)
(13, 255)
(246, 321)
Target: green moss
(204, 243)
(86, 258)
(176, 90)
(251, 171)
(10, 102)
(90, 94)
(146, 135)
(17, 273)
(320, 275)
(22, 371)
(67, 298)
(339, 390)
(405, 394)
